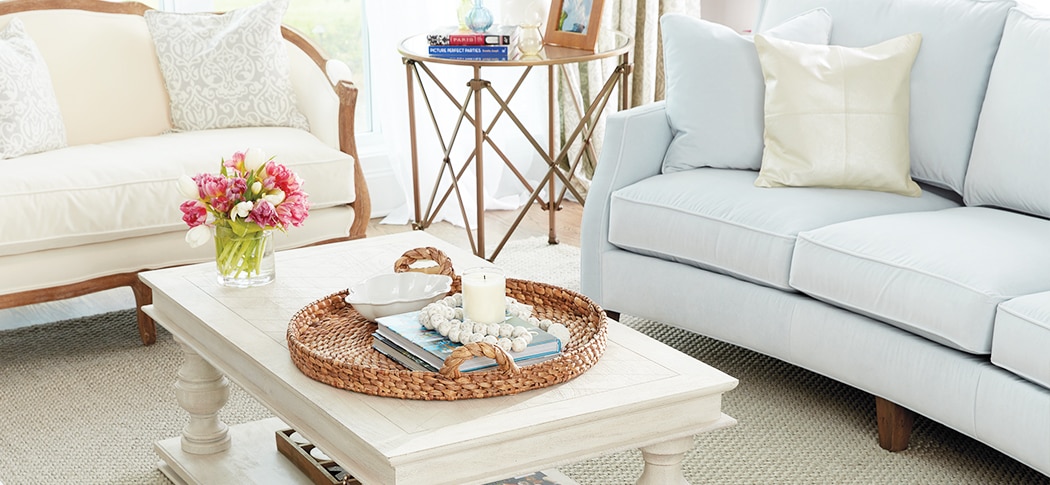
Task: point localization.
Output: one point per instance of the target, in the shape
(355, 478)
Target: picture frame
(574, 23)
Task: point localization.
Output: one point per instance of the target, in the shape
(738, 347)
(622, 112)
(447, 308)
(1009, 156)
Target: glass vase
(463, 11)
(530, 41)
(244, 261)
(480, 18)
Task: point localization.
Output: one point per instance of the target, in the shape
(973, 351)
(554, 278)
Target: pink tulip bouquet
(249, 197)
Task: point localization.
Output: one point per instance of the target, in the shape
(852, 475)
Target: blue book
(405, 332)
(478, 52)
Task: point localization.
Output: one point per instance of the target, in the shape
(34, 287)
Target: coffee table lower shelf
(252, 458)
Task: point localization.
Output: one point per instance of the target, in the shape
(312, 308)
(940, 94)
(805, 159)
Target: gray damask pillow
(226, 71)
(30, 120)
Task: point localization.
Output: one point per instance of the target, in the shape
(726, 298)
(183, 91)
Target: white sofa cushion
(714, 89)
(936, 274)
(837, 116)
(61, 266)
(124, 96)
(718, 220)
(1009, 166)
(944, 102)
(1021, 338)
(226, 71)
(30, 120)
(74, 202)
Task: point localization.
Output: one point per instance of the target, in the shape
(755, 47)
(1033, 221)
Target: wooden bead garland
(446, 316)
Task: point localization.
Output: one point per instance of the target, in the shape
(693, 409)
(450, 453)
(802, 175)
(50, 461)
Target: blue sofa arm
(634, 147)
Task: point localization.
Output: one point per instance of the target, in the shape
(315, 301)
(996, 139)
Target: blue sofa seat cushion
(1021, 337)
(716, 219)
(938, 274)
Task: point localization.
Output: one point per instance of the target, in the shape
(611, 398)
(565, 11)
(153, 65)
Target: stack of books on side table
(403, 339)
(499, 43)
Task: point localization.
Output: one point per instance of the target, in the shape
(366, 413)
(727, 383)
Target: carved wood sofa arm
(347, 93)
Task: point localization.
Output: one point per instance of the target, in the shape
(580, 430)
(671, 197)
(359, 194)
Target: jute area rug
(82, 401)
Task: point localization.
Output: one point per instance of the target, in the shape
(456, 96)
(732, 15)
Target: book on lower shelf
(473, 52)
(496, 35)
(403, 339)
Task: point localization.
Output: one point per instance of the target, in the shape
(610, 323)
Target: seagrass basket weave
(331, 342)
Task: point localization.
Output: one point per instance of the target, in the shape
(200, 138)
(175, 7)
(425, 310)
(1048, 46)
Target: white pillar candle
(484, 295)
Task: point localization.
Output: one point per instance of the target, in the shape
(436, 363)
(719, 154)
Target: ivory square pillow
(714, 89)
(837, 116)
(226, 71)
(30, 120)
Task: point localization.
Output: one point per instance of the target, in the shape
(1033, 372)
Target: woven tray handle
(444, 263)
(465, 352)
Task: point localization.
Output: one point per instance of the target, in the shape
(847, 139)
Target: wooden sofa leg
(613, 315)
(895, 423)
(144, 296)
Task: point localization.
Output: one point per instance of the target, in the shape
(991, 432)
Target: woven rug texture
(82, 401)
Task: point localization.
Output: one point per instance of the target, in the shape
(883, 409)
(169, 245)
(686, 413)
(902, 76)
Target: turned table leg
(202, 391)
(663, 462)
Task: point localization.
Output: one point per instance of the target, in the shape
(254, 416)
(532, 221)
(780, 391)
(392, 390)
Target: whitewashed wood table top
(640, 392)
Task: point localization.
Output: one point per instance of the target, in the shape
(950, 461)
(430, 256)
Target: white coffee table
(641, 393)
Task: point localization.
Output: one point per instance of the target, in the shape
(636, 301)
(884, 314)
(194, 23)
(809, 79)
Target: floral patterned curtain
(640, 20)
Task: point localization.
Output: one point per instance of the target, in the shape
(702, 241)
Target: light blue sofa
(937, 305)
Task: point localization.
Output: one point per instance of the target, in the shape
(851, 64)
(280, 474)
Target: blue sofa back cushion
(715, 89)
(1010, 166)
(950, 74)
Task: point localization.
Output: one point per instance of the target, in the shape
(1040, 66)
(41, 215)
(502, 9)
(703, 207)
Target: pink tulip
(211, 185)
(294, 209)
(221, 204)
(235, 162)
(238, 186)
(264, 214)
(280, 177)
(193, 213)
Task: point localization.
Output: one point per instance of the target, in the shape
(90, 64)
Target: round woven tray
(331, 342)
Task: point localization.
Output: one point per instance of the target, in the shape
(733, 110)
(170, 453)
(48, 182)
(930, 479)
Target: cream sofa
(937, 305)
(90, 216)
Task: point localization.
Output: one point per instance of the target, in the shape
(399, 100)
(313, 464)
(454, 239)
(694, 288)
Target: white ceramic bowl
(393, 293)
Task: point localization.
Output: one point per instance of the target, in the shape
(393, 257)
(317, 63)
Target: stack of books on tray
(403, 339)
(499, 43)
